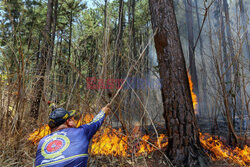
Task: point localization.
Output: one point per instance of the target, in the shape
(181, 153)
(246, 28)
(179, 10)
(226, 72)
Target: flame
(193, 95)
(221, 151)
(36, 136)
(109, 141)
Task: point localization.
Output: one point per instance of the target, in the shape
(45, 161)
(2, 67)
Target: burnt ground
(157, 158)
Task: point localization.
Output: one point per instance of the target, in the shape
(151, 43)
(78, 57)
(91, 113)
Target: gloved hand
(106, 109)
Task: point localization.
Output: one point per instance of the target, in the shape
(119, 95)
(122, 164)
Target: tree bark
(39, 82)
(183, 137)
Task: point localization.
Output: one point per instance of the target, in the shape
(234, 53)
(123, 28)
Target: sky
(90, 3)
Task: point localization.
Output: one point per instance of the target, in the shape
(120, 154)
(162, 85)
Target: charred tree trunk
(39, 82)
(189, 22)
(184, 146)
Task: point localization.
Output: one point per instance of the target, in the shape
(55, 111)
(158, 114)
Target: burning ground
(114, 142)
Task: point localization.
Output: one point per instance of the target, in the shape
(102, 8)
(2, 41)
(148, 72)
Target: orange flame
(113, 142)
(221, 151)
(36, 136)
(193, 95)
(110, 141)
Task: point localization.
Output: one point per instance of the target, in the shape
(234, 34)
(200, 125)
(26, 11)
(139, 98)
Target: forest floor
(21, 153)
(154, 159)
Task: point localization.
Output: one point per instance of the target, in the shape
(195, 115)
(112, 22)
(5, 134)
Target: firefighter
(67, 146)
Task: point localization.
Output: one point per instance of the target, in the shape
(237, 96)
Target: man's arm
(91, 128)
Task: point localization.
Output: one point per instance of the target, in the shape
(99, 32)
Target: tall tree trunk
(224, 84)
(119, 38)
(70, 32)
(182, 131)
(204, 69)
(133, 28)
(105, 51)
(51, 57)
(105, 42)
(120, 24)
(129, 20)
(211, 46)
(38, 50)
(189, 22)
(227, 81)
(236, 93)
(61, 69)
(53, 35)
(39, 82)
(245, 28)
(66, 70)
(222, 38)
(225, 60)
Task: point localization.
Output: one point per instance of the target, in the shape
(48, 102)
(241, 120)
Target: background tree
(243, 17)
(41, 69)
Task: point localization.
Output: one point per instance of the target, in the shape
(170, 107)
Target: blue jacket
(68, 147)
